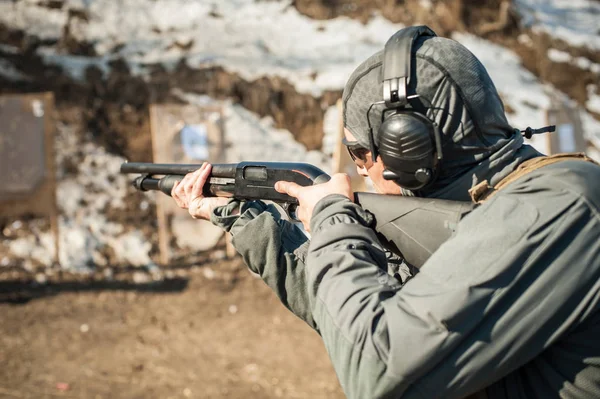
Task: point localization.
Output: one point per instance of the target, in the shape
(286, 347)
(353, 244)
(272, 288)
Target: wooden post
(161, 216)
(50, 166)
(342, 163)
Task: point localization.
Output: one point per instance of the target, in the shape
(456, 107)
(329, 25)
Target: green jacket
(510, 303)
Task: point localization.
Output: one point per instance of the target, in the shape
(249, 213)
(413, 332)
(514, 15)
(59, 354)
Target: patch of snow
(586, 64)
(83, 200)
(559, 56)
(593, 102)
(591, 127)
(32, 247)
(573, 21)
(132, 248)
(523, 38)
(27, 15)
(594, 154)
(580, 62)
(427, 4)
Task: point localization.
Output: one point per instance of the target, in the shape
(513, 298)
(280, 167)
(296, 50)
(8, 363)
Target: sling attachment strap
(483, 191)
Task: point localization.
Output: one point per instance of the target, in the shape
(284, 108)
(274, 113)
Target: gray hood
(456, 92)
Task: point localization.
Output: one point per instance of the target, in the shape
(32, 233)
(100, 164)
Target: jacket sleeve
(271, 247)
(483, 305)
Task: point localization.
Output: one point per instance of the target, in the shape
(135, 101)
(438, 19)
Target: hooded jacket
(509, 306)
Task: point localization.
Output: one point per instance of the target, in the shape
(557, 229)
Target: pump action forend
(411, 227)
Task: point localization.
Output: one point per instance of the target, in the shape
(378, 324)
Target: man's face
(374, 170)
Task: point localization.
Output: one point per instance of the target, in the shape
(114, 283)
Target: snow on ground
(250, 38)
(573, 21)
(83, 200)
(593, 103)
(559, 56)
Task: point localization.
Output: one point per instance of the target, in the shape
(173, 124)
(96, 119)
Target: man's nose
(362, 171)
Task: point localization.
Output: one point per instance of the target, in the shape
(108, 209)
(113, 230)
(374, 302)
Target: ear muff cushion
(406, 137)
(407, 147)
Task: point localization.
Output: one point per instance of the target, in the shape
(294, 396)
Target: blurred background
(106, 292)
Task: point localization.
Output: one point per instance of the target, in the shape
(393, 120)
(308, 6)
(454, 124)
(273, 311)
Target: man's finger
(183, 183)
(289, 188)
(190, 179)
(176, 196)
(173, 189)
(176, 193)
(188, 182)
(200, 181)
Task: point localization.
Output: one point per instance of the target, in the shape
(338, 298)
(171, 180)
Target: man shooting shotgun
(507, 307)
(411, 227)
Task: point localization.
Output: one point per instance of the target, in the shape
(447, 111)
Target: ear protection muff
(409, 143)
(407, 148)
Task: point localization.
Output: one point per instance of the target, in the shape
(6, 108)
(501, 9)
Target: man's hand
(188, 194)
(309, 196)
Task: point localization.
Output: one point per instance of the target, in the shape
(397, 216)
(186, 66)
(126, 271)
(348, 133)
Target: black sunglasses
(356, 150)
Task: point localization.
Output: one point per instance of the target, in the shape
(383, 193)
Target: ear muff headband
(407, 140)
(397, 62)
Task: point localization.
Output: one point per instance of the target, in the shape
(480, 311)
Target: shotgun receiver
(410, 227)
